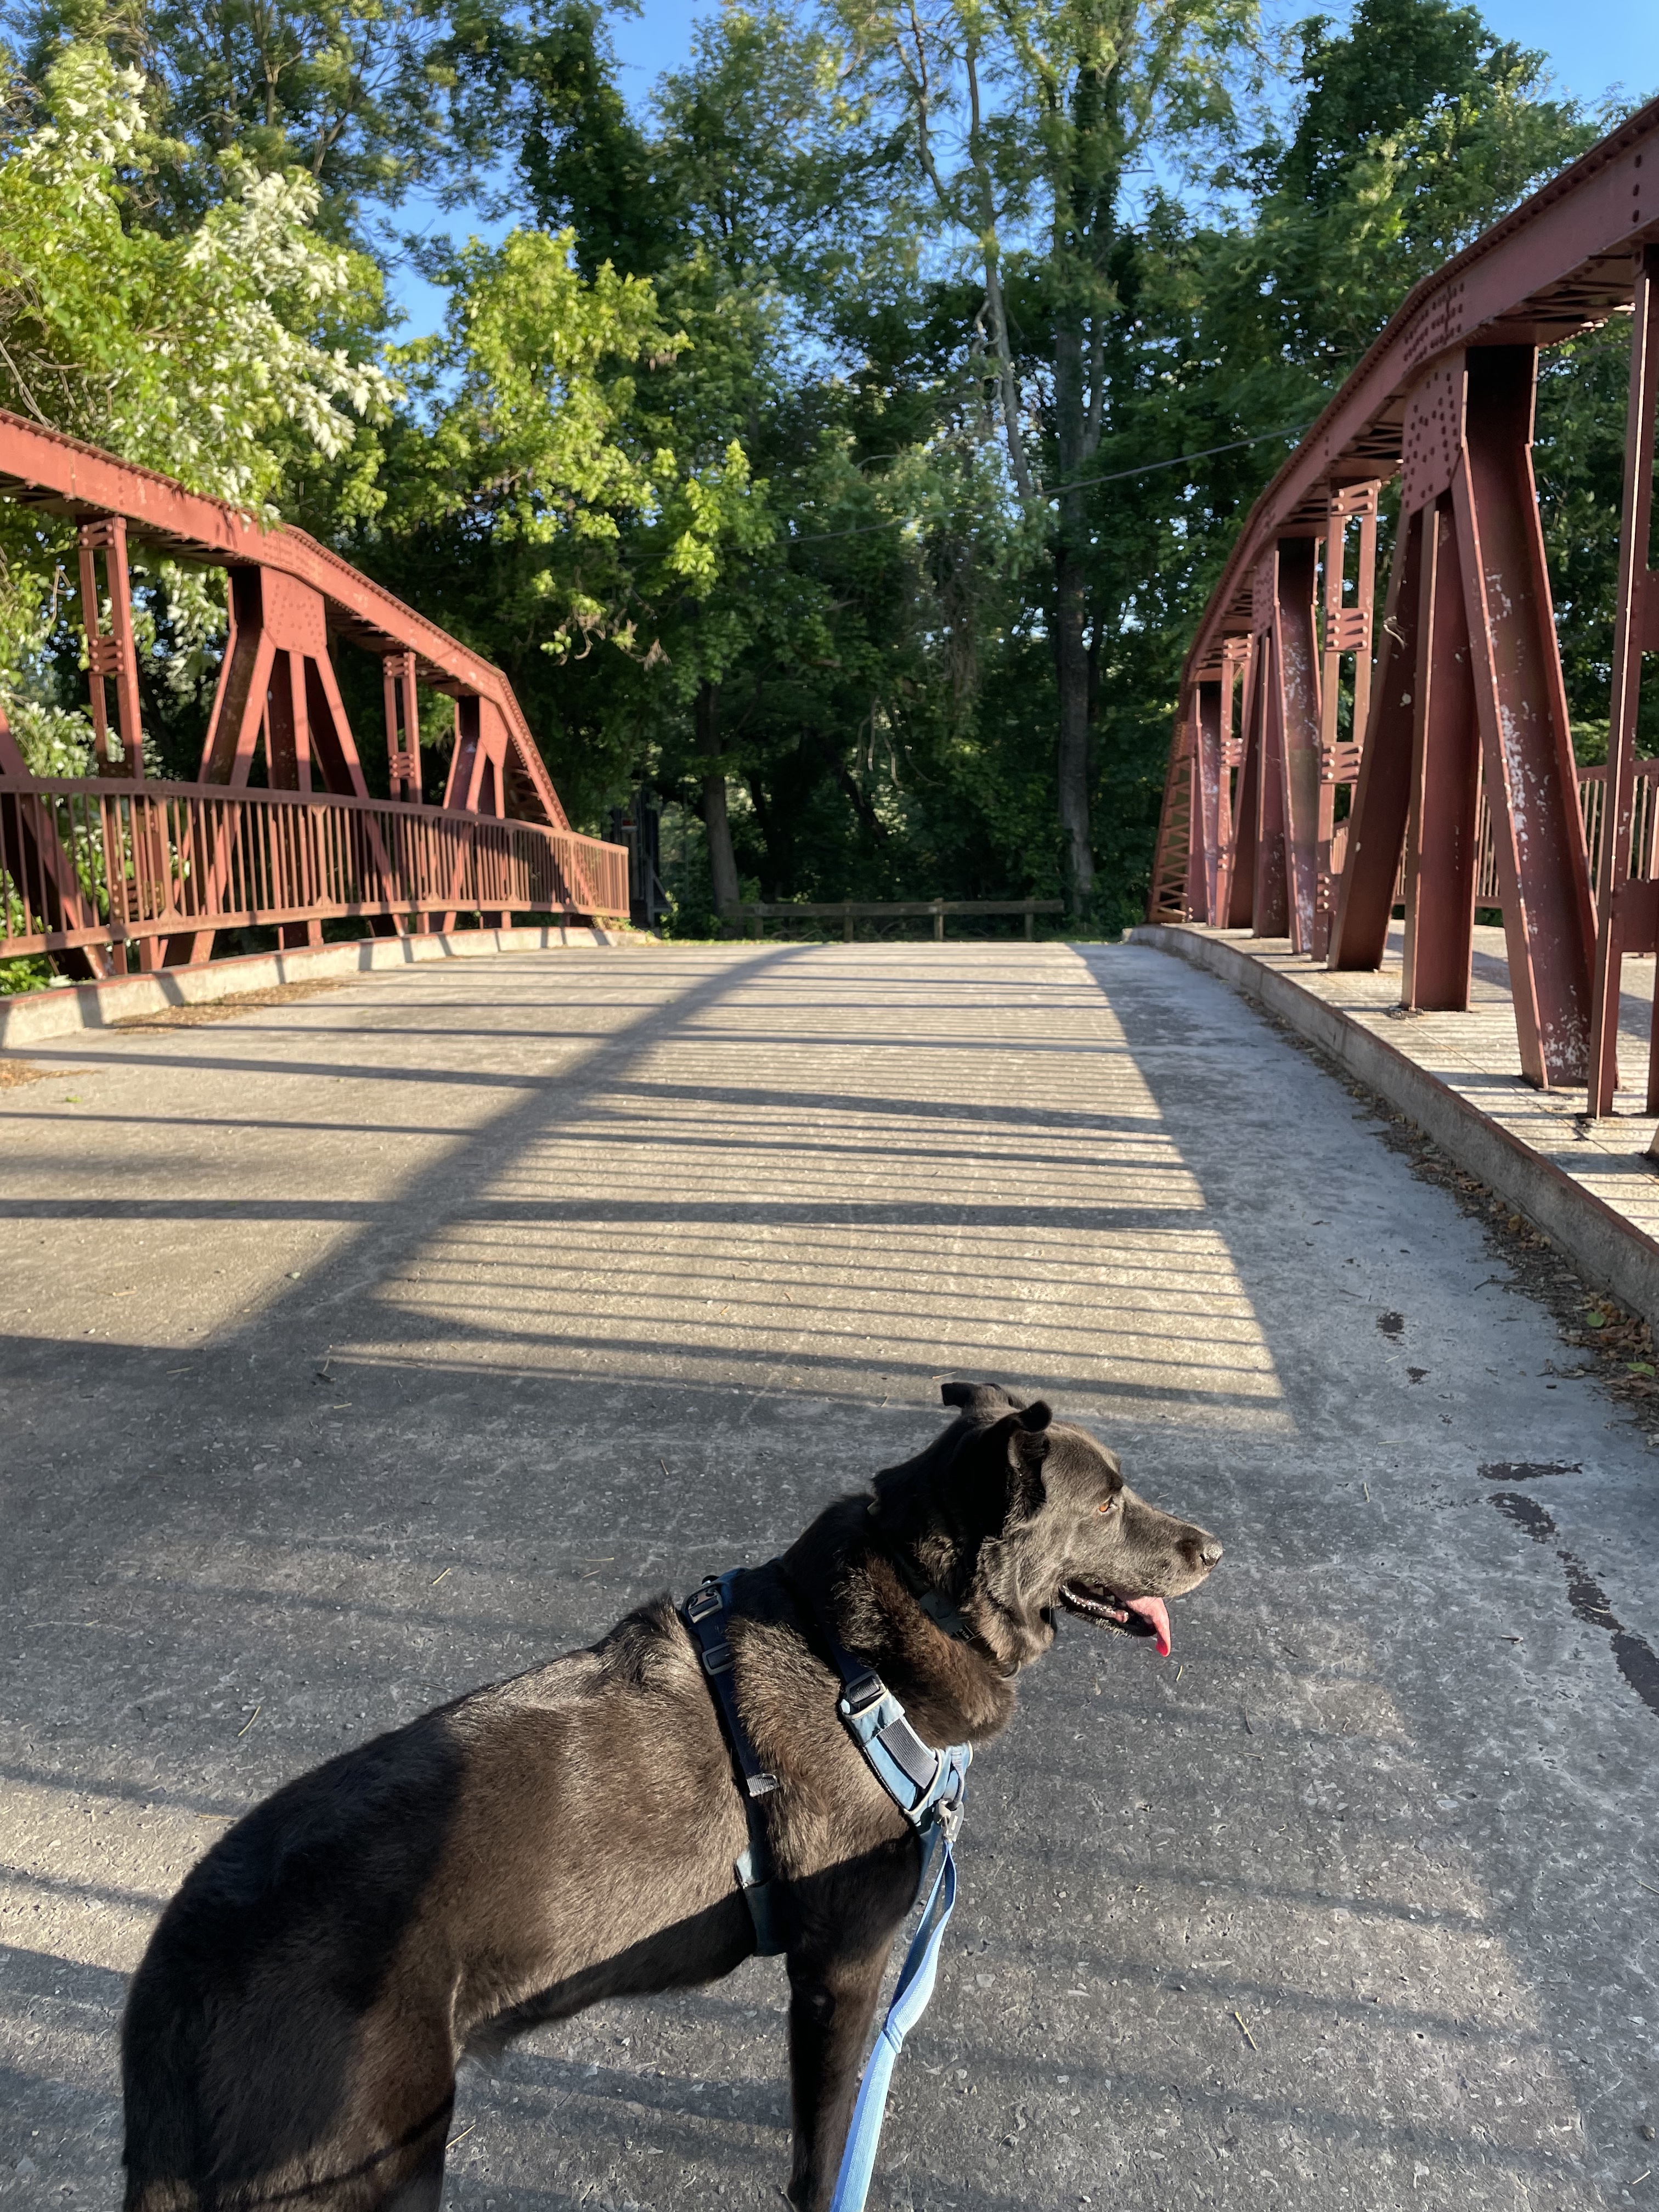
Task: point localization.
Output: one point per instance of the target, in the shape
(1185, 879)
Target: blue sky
(1594, 45)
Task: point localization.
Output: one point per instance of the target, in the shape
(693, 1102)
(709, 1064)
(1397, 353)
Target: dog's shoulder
(648, 1650)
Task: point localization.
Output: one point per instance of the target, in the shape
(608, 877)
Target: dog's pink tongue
(1155, 1610)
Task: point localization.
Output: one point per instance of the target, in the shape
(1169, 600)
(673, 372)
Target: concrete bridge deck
(371, 1346)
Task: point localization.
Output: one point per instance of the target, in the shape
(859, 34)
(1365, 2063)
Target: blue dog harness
(927, 1786)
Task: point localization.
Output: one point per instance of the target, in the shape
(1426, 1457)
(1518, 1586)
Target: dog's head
(1015, 1514)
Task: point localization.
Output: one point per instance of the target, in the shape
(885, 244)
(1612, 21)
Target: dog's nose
(1209, 1551)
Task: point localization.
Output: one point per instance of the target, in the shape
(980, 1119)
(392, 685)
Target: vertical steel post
(1234, 652)
(110, 653)
(402, 725)
(1270, 913)
(1295, 661)
(1241, 896)
(1376, 825)
(1440, 836)
(1345, 629)
(1209, 776)
(1176, 828)
(1635, 630)
(1526, 745)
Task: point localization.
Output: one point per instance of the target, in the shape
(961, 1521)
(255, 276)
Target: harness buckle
(717, 1658)
(703, 1602)
(863, 1692)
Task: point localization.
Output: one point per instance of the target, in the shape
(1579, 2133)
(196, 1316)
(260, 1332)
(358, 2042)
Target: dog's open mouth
(1134, 1616)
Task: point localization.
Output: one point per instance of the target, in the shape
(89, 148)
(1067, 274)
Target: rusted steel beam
(1346, 633)
(1560, 264)
(1234, 650)
(1210, 702)
(1445, 781)
(1270, 909)
(112, 654)
(1247, 804)
(402, 725)
(1382, 798)
(1196, 893)
(56, 475)
(1635, 631)
(1525, 739)
(1296, 669)
(1171, 853)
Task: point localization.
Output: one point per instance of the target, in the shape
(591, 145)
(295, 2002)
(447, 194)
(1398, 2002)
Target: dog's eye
(1109, 1506)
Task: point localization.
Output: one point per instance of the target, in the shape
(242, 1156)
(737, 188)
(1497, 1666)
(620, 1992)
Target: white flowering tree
(223, 355)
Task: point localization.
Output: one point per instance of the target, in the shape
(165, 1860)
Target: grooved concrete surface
(1476, 1054)
(378, 1345)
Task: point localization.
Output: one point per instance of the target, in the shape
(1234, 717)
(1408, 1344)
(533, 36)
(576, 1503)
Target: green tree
(1027, 123)
(235, 356)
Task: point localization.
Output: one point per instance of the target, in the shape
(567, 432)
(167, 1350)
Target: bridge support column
(1445, 784)
(1209, 779)
(1241, 889)
(1376, 825)
(1543, 868)
(1296, 679)
(277, 686)
(1625, 911)
(1270, 913)
(1346, 630)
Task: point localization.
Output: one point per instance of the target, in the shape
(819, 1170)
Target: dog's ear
(1036, 1418)
(1027, 1446)
(988, 1400)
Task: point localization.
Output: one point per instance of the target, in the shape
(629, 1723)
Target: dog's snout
(1202, 1549)
(1209, 1551)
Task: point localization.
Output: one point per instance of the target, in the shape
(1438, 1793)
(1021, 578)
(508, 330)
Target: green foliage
(205, 353)
(236, 354)
(801, 453)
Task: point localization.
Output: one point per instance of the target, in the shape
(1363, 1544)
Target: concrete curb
(74, 1008)
(1613, 1253)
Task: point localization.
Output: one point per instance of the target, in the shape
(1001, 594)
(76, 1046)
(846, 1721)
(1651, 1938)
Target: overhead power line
(1109, 475)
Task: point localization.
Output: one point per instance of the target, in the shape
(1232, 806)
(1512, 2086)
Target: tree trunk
(1072, 673)
(1070, 620)
(722, 862)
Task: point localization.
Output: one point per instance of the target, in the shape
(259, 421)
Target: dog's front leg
(831, 2003)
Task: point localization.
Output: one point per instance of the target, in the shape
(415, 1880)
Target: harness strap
(927, 1785)
(705, 1615)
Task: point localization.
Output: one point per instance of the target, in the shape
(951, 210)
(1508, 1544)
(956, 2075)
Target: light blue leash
(915, 1987)
(927, 1786)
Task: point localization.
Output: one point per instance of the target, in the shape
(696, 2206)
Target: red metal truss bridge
(91, 865)
(1459, 777)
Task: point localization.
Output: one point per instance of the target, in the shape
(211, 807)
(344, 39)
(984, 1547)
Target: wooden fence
(753, 914)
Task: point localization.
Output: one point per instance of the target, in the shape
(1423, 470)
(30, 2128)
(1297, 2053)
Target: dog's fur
(294, 2030)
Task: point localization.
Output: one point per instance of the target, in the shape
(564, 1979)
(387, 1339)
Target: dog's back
(220, 2062)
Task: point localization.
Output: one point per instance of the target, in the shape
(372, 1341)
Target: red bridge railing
(100, 861)
(89, 867)
(1592, 808)
(1457, 784)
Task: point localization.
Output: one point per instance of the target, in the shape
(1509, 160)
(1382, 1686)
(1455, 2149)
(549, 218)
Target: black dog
(295, 2028)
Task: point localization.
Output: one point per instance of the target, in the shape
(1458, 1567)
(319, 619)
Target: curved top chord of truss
(1559, 264)
(57, 475)
(1451, 743)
